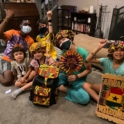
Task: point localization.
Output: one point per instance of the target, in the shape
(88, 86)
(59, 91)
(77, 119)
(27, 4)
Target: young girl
(37, 52)
(112, 65)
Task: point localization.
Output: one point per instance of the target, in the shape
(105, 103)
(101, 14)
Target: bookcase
(64, 16)
(83, 23)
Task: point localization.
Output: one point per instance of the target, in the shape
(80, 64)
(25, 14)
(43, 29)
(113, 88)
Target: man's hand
(49, 13)
(9, 14)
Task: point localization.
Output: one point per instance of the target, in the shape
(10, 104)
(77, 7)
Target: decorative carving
(111, 101)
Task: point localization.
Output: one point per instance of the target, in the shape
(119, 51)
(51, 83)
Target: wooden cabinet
(22, 10)
(64, 16)
(83, 23)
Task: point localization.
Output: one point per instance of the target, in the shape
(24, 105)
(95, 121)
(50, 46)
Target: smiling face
(19, 56)
(38, 54)
(118, 54)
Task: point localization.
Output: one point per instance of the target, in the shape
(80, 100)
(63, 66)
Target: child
(20, 67)
(46, 37)
(64, 40)
(112, 65)
(37, 52)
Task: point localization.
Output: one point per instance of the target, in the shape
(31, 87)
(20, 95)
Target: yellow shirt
(47, 41)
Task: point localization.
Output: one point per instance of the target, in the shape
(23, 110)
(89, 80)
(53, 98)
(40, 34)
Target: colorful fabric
(12, 38)
(77, 94)
(114, 46)
(35, 46)
(48, 72)
(47, 42)
(42, 95)
(20, 68)
(70, 62)
(108, 67)
(64, 34)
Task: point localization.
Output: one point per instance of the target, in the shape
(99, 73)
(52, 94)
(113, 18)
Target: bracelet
(49, 24)
(94, 55)
(50, 20)
(76, 76)
(6, 20)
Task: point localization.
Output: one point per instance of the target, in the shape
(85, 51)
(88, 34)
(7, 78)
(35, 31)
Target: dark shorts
(5, 65)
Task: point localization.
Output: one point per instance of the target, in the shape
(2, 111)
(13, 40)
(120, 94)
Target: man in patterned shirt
(13, 38)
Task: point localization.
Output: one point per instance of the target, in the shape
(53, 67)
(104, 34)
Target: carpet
(22, 111)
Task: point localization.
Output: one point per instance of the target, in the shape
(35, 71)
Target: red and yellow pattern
(42, 95)
(71, 61)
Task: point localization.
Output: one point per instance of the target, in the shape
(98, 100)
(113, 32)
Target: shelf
(64, 17)
(80, 23)
(86, 23)
(88, 14)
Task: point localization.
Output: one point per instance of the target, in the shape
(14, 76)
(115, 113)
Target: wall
(111, 4)
(80, 3)
(86, 3)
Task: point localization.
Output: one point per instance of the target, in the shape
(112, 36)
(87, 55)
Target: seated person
(64, 40)
(46, 38)
(20, 67)
(114, 64)
(37, 52)
(13, 37)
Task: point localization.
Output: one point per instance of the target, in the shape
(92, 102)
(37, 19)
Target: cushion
(89, 43)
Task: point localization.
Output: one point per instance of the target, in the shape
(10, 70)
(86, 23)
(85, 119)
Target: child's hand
(102, 43)
(71, 78)
(49, 13)
(52, 61)
(22, 80)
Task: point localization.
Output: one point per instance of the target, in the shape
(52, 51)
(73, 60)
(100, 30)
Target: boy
(46, 38)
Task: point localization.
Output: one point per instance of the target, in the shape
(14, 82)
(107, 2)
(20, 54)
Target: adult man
(12, 38)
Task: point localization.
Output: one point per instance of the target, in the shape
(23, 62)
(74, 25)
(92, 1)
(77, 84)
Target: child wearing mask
(114, 64)
(46, 38)
(37, 52)
(75, 93)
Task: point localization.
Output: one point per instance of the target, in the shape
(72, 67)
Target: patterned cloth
(48, 42)
(64, 34)
(12, 38)
(35, 46)
(114, 46)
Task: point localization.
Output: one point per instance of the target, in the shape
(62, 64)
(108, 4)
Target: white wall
(87, 3)
(80, 3)
(111, 4)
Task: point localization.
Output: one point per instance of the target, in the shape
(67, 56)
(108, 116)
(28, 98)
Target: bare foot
(62, 88)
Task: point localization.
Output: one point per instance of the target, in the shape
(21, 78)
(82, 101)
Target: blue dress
(76, 94)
